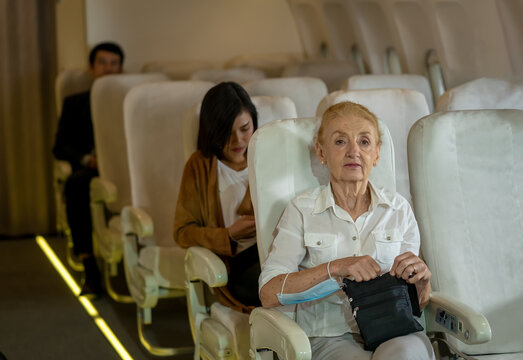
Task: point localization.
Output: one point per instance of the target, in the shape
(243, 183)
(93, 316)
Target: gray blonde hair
(344, 109)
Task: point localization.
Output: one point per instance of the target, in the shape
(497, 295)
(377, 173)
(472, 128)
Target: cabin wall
(71, 34)
(175, 29)
(472, 38)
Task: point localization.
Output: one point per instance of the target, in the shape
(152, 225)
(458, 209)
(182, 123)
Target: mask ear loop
(284, 280)
(328, 270)
(286, 276)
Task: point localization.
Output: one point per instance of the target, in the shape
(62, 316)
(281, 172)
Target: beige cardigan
(198, 220)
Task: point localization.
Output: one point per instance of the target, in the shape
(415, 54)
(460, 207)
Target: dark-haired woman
(214, 208)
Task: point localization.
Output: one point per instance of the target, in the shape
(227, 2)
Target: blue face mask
(318, 291)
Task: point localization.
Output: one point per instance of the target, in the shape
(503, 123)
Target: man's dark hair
(220, 107)
(106, 46)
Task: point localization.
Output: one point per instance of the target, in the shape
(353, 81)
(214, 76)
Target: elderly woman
(214, 207)
(347, 229)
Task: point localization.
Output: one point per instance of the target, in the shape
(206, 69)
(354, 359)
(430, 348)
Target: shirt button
(319, 242)
(354, 238)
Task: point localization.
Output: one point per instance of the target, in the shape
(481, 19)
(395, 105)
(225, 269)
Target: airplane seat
(268, 108)
(68, 82)
(221, 330)
(396, 81)
(239, 75)
(178, 69)
(483, 93)
(286, 148)
(272, 63)
(153, 262)
(466, 172)
(398, 109)
(305, 92)
(333, 73)
(110, 190)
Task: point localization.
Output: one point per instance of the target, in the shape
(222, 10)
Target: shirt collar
(325, 199)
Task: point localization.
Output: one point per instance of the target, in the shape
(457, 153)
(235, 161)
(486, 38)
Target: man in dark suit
(75, 143)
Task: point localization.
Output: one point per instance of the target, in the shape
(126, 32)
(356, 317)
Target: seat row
(144, 128)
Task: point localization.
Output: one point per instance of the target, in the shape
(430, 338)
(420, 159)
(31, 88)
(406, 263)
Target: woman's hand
(411, 268)
(357, 268)
(243, 228)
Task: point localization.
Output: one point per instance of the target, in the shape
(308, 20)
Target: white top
(313, 230)
(232, 185)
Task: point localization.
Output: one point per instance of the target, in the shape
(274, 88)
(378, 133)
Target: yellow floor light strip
(87, 304)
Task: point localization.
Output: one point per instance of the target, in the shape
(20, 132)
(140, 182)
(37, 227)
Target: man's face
(105, 63)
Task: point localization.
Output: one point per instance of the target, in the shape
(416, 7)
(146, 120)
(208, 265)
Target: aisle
(41, 318)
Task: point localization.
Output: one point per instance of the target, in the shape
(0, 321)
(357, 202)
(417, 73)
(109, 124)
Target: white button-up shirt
(313, 230)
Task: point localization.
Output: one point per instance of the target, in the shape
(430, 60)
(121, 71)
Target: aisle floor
(40, 318)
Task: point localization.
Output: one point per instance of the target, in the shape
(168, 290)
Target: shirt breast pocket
(321, 247)
(388, 245)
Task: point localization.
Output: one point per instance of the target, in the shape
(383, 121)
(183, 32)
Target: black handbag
(383, 308)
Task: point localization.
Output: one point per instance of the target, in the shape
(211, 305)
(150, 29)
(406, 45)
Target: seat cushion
(216, 340)
(482, 93)
(115, 224)
(392, 81)
(238, 325)
(466, 173)
(398, 109)
(166, 263)
(305, 92)
(110, 246)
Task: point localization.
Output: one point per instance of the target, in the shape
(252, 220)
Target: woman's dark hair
(220, 107)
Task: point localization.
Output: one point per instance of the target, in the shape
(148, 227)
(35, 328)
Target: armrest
(271, 329)
(202, 264)
(102, 190)
(136, 221)
(448, 315)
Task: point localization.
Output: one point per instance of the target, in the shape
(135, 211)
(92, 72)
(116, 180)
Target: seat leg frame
(109, 272)
(144, 318)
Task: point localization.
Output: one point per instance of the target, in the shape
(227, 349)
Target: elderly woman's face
(349, 147)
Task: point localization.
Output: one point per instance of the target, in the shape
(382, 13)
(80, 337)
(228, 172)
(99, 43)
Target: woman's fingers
(410, 267)
(398, 260)
(422, 275)
(365, 268)
(244, 227)
(401, 264)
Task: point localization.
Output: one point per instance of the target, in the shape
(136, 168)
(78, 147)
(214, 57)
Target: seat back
(272, 64)
(177, 70)
(398, 109)
(283, 164)
(70, 82)
(107, 98)
(466, 173)
(154, 116)
(306, 93)
(333, 73)
(402, 81)
(268, 107)
(484, 93)
(239, 75)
